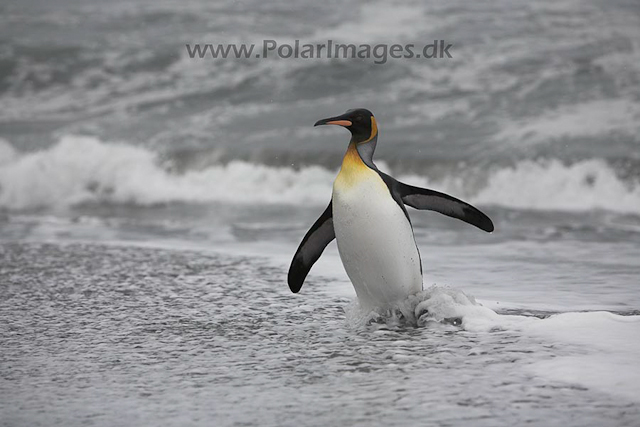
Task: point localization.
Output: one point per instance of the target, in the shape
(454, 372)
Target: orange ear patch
(374, 128)
(374, 131)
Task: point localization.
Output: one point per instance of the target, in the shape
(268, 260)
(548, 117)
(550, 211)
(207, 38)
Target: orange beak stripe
(340, 122)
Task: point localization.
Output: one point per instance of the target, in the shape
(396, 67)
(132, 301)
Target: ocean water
(150, 205)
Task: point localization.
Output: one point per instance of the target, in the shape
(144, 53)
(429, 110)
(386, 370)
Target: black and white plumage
(367, 217)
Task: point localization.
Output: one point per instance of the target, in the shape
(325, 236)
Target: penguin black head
(359, 121)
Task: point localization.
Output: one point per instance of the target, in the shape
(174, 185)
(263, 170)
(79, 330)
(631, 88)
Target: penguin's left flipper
(424, 199)
(317, 238)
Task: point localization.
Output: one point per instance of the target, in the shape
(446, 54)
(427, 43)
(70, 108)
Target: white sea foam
(601, 347)
(439, 304)
(597, 350)
(82, 169)
(582, 186)
(605, 353)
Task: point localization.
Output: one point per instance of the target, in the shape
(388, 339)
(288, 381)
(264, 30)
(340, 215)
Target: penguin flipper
(317, 238)
(424, 199)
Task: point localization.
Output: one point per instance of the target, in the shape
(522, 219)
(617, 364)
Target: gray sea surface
(150, 205)
(114, 335)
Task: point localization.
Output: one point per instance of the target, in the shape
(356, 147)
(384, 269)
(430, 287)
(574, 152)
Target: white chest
(375, 239)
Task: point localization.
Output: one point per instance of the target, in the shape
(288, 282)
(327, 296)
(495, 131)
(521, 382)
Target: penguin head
(359, 121)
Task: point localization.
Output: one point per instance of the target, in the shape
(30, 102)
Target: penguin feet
(375, 318)
(399, 315)
(422, 313)
(389, 317)
(423, 316)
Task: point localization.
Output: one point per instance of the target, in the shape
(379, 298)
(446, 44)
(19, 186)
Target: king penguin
(368, 219)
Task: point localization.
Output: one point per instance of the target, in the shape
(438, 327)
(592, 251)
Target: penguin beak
(338, 120)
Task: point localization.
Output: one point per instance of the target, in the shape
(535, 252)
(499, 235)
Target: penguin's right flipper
(312, 246)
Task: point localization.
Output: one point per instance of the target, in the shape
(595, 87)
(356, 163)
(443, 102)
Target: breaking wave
(586, 185)
(84, 170)
(81, 169)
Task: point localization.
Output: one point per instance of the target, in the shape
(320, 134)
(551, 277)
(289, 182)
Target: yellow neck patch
(353, 168)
